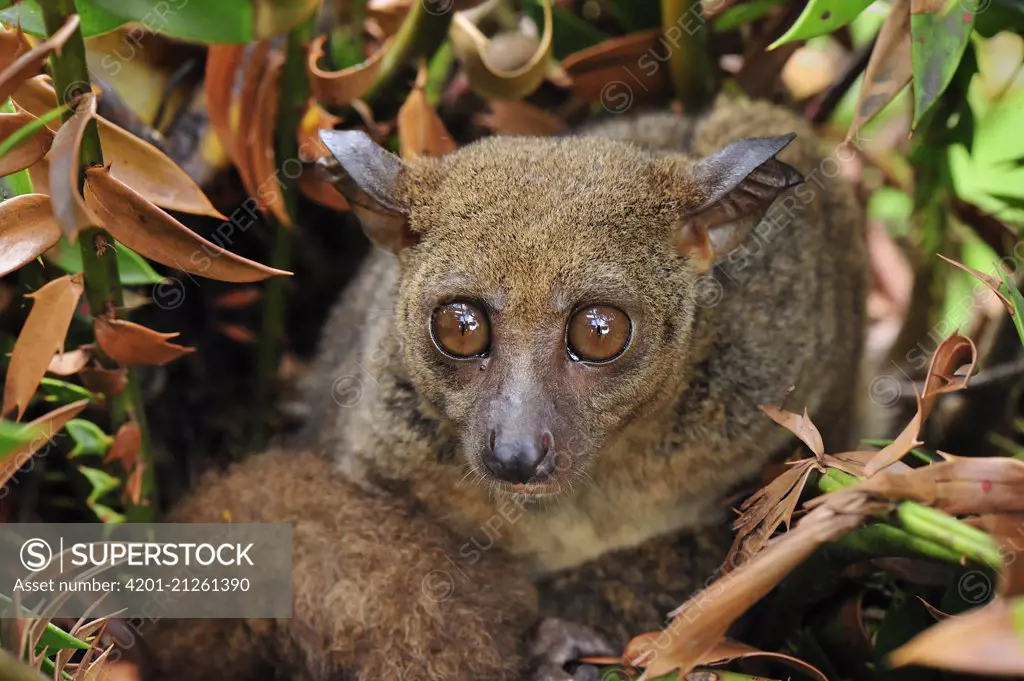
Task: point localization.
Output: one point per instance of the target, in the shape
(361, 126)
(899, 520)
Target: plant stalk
(292, 97)
(685, 37)
(99, 258)
(420, 35)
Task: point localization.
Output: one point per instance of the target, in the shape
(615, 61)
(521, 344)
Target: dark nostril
(547, 443)
(490, 441)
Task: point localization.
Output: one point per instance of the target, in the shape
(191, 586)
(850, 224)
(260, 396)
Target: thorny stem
(293, 95)
(99, 258)
(422, 32)
(690, 65)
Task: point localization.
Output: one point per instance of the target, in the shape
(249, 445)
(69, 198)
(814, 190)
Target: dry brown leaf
(855, 461)
(222, 64)
(889, 68)
(316, 189)
(420, 130)
(69, 207)
(27, 230)
(149, 231)
(133, 489)
(12, 45)
(131, 344)
(31, 63)
(28, 151)
(991, 282)
(41, 337)
(255, 64)
(610, 72)
(982, 641)
(47, 426)
(801, 426)
(71, 362)
(723, 652)
(899, 447)
(268, 190)
(237, 333)
(341, 88)
(767, 509)
(126, 446)
(238, 298)
(108, 382)
(519, 118)
(133, 161)
(700, 624)
(962, 485)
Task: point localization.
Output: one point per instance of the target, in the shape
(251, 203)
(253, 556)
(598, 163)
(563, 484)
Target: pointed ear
(367, 175)
(742, 181)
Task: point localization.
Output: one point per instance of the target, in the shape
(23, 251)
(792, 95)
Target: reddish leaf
(68, 205)
(222, 64)
(255, 66)
(109, 382)
(133, 485)
(983, 641)
(610, 72)
(420, 130)
(126, 446)
(131, 344)
(237, 333)
(238, 299)
(151, 232)
(340, 88)
(12, 45)
(316, 189)
(28, 151)
(31, 63)
(71, 362)
(268, 190)
(27, 230)
(47, 427)
(41, 337)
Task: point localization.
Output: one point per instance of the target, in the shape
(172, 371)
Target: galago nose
(516, 458)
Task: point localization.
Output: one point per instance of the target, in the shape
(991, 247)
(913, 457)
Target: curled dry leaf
(700, 623)
(316, 189)
(12, 45)
(520, 118)
(131, 344)
(767, 509)
(27, 230)
(71, 362)
(982, 641)
(41, 337)
(991, 282)
(255, 64)
(341, 88)
(28, 151)
(133, 161)
(47, 427)
(801, 426)
(949, 370)
(889, 68)
(222, 64)
(68, 205)
(126, 446)
(31, 63)
(420, 130)
(479, 59)
(268, 191)
(151, 232)
(608, 72)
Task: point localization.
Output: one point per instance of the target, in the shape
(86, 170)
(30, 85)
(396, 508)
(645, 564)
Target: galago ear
(367, 175)
(741, 182)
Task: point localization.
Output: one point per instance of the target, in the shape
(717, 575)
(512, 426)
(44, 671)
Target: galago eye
(460, 329)
(598, 333)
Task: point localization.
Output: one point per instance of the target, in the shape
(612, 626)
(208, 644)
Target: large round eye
(598, 333)
(460, 329)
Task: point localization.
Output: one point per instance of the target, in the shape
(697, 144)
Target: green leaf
(572, 33)
(102, 483)
(214, 21)
(89, 439)
(107, 514)
(1017, 301)
(1017, 604)
(132, 268)
(53, 638)
(26, 131)
(820, 17)
(12, 436)
(738, 15)
(62, 392)
(95, 19)
(937, 43)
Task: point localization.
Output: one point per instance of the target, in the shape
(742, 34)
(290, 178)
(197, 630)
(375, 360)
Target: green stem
(293, 96)
(99, 261)
(690, 66)
(420, 35)
(18, 183)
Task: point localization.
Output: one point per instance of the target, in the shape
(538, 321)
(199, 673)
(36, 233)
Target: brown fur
(651, 441)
